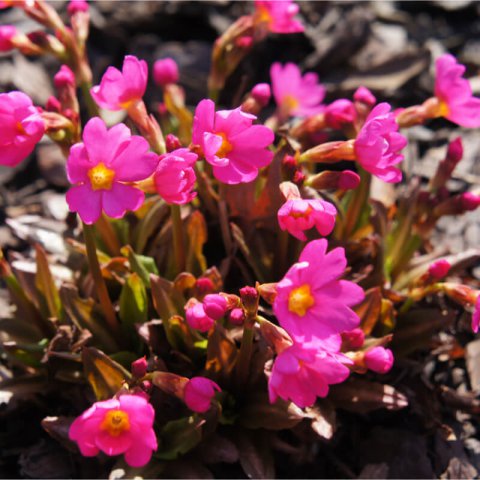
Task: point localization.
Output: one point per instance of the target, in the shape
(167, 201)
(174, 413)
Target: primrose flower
(122, 425)
(297, 215)
(311, 301)
(379, 359)
(476, 315)
(303, 372)
(101, 168)
(21, 128)
(215, 305)
(378, 144)
(174, 177)
(197, 318)
(119, 90)
(199, 392)
(457, 103)
(230, 143)
(296, 95)
(278, 15)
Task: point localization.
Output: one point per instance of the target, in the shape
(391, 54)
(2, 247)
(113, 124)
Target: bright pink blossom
(197, 318)
(278, 15)
(378, 144)
(303, 372)
(7, 32)
(457, 103)
(297, 215)
(199, 392)
(311, 301)
(101, 168)
(122, 425)
(215, 305)
(296, 95)
(119, 90)
(174, 177)
(379, 359)
(165, 71)
(339, 113)
(230, 143)
(439, 269)
(21, 127)
(476, 315)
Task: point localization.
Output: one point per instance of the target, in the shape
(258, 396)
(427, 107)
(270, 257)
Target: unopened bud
(250, 298)
(7, 33)
(364, 95)
(330, 152)
(203, 286)
(77, 6)
(139, 367)
(353, 340)
(197, 318)
(331, 180)
(64, 78)
(165, 71)
(439, 269)
(215, 305)
(237, 316)
(340, 113)
(470, 201)
(379, 359)
(172, 142)
(199, 392)
(53, 105)
(455, 150)
(262, 93)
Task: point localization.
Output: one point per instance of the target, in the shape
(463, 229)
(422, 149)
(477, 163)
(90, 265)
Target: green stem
(357, 204)
(245, 354)
(89, 102)
(178, 241)
(100, 286)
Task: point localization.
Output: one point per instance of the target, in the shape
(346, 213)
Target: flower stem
(178, 241)
(102, 292)
(245, 354)
(89, 102)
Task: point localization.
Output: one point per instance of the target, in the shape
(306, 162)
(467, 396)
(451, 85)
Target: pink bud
(379, 359)
(7, 32)
(476, 316)
(198, 319)
(215, 306)
(165, 71)
(53, 105)
(237, 316)
(289, 161)
(139, 367)
(172, 142)
(261, 92)
(470, 201)
(455, 150)
(203, 286)
(250, 298)
(64, 78)
(77, 6)
(364, 95)
(244, 42)
(339, 113)
(348, 180)
(199, 392)
(353, 339)
(439, 269)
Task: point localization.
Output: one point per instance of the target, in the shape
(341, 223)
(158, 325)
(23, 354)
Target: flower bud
(379, 359)
(262, 93)
(64, 78)
(455, 150)
(199, 392)
(470, 201)
(331, 180)
(172, 142)
(439, 269)
(53, 105)
(353, 340)
(339, 113)
(237, 316)
(215, 306)
(197, 318)
(7, 33)
(364, 95)
(250, 298)
(203, 286)
(165, 71)
(348, 180)
(476, 315)
(139, 367)
(77, 6)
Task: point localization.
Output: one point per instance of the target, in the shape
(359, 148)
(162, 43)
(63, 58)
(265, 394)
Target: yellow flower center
(300, 300)
(289, 102)
(442, 109)
(20, 129)
(304, 214)
(115, 422)
(225, 148)
(262, 15)
(101, 177)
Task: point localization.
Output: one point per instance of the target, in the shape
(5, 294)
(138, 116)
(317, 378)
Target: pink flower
(101, 168)
(215, 306)
(165, 71)
(236, 148)
(7, 33)
(199, 392)
(339, 113)
(197, 318)
(297, 215)
(122, 425)
(174, 177)
(379, 359)
(378, 144)
(296, 95)
(455, 94)
(311, 301)
(303, 372)
(439, 269)
(119, 90)
(21, 127)
(476, 315)
(278, 15)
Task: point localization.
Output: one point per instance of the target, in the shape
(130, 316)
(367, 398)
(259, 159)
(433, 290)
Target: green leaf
(180, 436)
(105, 376)
(140, 264)
(133, 301)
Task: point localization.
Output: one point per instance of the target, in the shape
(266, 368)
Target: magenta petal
(86, 202)
(134, 163)
(78, 164)
(138, 455)
(113, 445)
(203, 120)
(121, 198)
